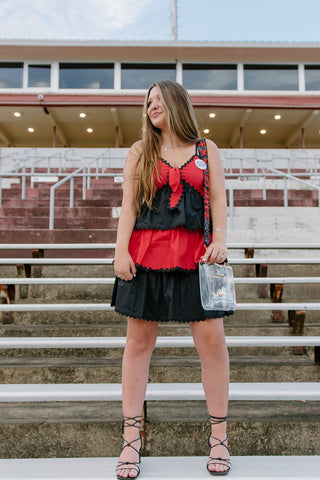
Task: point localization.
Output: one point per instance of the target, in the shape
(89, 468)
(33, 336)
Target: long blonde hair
(181, 122)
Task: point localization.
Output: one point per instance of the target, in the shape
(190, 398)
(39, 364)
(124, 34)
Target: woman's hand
(124, 266)
(216, 253)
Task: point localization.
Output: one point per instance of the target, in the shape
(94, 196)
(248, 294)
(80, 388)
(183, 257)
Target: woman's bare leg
(210, 343)
(141, 338)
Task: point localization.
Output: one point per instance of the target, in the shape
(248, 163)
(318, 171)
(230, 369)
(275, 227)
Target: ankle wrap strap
(214, 420)
(132, 422)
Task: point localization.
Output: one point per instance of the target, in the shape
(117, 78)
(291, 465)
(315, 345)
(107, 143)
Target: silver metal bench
(104, 392)
(162, 468)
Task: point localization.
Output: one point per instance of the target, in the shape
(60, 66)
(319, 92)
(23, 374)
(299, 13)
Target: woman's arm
(217, 250)
(124, 266)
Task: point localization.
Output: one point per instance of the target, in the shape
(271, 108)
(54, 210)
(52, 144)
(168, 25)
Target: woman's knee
(141, 336)
(209, 336)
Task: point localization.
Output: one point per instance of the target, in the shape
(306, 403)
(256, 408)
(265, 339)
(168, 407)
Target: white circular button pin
(200, 164)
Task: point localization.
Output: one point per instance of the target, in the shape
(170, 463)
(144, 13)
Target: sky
(149, 20)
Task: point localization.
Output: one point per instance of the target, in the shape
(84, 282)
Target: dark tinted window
(86, 75)
(39, 75)
(210, 77)
(312, 76)
(11, 74)
(141, 76)
(271, 77)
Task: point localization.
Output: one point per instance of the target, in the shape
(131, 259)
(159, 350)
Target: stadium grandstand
(89, 94)
(69, 111)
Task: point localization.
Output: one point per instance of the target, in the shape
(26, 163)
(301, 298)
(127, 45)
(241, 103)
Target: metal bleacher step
(53, 429)
(165, 368)
(37, 423)
(284, 391)
(109, 323)
(162, 468)
(60, 236)
(115, 326)
(46, 433)
(53, 292)
(100, 312)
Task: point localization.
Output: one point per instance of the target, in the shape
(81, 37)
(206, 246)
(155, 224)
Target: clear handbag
(217, 287)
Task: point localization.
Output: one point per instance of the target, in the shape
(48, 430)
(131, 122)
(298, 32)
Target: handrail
(161, 342)
(52, 195)
(109, 261)
(89, 246)
(292, 177)
(110, 280)
(231, 175)
(102, 392)
(30, 161)
(269, 155)
(85, 184)
(285, 176)
(251, 157)
(106, 307)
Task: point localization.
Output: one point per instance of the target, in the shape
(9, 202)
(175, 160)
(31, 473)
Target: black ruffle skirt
(162, 297)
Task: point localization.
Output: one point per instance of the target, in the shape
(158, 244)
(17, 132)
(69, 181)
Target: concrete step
(245, 318)
(273, 198)
(275, 202)
(100, 188)
(27, 222)
(58, 429)
(43, 194)
(273, 194)
(106, 201)
(156, 468)
(240, 270)
(91, 193)
(248, 293)
(167, 368)
(59, 253)
(116, 326)
(31, 235)
(37, 211)
(274, 223)
(78, 345)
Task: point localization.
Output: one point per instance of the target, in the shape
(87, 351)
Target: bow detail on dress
(174, 177)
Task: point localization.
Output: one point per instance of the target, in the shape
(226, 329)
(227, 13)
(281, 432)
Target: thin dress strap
(203, 154)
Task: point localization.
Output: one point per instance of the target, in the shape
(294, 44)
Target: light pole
(174, 33)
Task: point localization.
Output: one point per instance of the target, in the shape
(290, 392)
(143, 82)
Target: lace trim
(192, 188)
(183, 165)
(129, 314)
(168, 270)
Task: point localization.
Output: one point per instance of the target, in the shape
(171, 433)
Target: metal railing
(289, 160)
(61, 160)
(273, 173)
(274, 306)
(161, 342)
(86, 183)
(258, 159)
(109, 261)
(108, 246)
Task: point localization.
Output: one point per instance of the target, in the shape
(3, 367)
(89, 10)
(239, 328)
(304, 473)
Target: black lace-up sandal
(215, 442)
(130, 422)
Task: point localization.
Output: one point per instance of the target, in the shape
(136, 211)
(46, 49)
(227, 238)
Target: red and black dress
(166, 245)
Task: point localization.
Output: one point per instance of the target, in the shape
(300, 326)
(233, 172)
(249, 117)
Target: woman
(159, 245)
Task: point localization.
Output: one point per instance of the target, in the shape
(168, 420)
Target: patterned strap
(203, 154)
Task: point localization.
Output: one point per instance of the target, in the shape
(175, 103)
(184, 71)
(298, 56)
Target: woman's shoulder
(211, 145)
(212, 148)
(134, 153)
(213, 152)
(136, 148)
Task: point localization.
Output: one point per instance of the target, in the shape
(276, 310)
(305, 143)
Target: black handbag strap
(203, 154)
